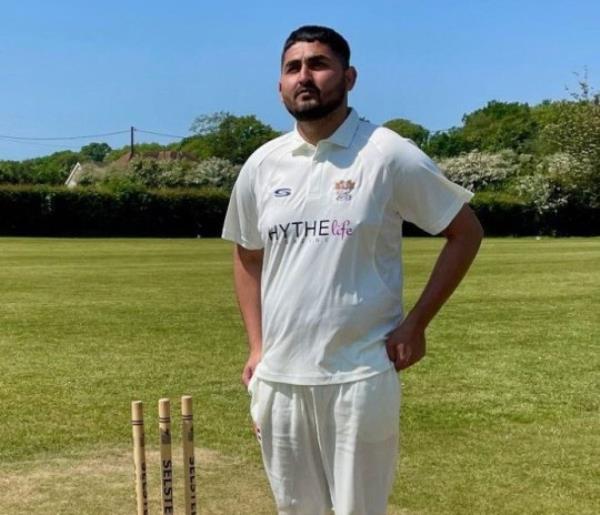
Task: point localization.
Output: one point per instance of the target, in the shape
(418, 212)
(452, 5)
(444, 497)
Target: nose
(305, 74)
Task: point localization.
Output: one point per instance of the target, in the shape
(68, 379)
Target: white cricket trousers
(329, 447)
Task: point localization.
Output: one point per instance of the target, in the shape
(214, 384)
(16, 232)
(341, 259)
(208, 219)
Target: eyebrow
(310, 60)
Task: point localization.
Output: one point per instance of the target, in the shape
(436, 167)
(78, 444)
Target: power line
(87, 136)
(36, 141)
(37, 144)
(62, 138)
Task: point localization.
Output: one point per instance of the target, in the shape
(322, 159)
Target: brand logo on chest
(343, 190)
(282, 192)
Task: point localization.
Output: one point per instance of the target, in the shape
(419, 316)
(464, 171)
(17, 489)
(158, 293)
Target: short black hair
(325, 35)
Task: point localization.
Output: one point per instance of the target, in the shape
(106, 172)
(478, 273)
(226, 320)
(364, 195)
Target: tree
(228, 136)
(11, 172)
(546, 113)
(450, 143)
(479, 171)
(95, 151)
(586, 92)
(208, 123)
(499, 126)
(408, 129)
(569, 171)
(577, 135)
(52, 169)
(214, 171)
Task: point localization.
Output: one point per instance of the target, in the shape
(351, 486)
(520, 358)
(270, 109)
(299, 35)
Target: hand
(247, 374)
(405, 345)
(249, 367)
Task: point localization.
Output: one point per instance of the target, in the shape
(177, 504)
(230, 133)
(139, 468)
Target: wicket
(166, 460)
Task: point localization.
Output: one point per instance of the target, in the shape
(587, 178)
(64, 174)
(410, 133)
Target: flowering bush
(153, 173)
(483, 170)
(214, 171)
(576, 135)
(559, 179)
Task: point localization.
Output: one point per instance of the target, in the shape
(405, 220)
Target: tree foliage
(568, 168)
(143, 173)
(228, 136)
(499, 126)
(52, 169)
(576, 136)
(495, 127)
(483, 170)
(448, 143)
(408, 129)
(95, 151)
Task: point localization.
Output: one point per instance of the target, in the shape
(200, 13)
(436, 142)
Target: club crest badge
(343, 190)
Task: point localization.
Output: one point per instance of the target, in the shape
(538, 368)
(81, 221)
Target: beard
(316, 109)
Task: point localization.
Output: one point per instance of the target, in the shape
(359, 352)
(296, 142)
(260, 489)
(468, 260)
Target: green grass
(503, 416)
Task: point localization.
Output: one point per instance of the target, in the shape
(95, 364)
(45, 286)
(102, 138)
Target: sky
(76, 68)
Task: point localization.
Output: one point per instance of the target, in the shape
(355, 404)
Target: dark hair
(325, 35)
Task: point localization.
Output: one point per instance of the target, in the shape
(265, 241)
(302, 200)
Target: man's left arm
(406, 344)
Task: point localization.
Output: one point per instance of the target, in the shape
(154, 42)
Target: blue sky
(70, 68)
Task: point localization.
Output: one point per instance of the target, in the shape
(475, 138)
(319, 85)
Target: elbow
(465, 228)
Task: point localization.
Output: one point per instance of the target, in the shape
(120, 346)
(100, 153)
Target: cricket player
(316, 216)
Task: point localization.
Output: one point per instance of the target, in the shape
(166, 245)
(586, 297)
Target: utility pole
(131, 145)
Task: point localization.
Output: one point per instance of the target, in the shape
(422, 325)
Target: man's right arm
(247, 269)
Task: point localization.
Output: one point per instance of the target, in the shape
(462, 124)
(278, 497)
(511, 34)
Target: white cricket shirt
(329, 218)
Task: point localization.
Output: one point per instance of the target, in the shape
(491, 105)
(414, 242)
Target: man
(317, 217)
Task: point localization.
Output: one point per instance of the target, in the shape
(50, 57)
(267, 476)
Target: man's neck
(316, 130)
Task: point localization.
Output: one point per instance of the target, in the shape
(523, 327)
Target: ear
(279, 89)
(350, 74)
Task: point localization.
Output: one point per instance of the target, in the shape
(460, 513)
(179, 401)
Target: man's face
(313, 82)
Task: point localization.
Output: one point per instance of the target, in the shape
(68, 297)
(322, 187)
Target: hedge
(59, 211)
(504, 215)
(44, 211)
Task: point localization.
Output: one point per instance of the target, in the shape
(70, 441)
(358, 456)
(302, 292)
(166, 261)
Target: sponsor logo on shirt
(282, 192)
(343, 190)
(317, 230)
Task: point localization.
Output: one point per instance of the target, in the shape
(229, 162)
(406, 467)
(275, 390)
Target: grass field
(503, 416)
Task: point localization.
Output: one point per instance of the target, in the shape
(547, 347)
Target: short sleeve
(424, 196)
(241, 220)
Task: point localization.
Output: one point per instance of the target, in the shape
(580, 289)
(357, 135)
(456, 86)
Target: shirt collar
(342, 136)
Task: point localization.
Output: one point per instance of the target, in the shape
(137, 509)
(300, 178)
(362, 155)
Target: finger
(391, 351)
(399, 362)
(246, 375)
(403, 359)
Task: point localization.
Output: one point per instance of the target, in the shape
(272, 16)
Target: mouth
(307, 91)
